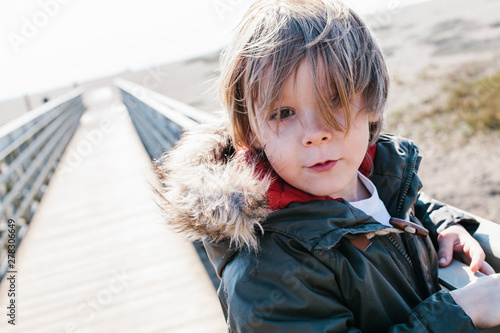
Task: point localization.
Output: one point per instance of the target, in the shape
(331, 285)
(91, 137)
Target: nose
(315, 132)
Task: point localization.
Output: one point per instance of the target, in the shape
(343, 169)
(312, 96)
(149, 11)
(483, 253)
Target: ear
(375, 123)
(374, 117)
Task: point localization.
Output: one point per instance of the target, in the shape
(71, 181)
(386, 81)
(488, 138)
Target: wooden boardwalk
(96, 257)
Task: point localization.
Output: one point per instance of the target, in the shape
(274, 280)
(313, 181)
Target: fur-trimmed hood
(208, 193)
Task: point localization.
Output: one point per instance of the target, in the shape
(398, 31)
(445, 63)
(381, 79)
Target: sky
(46, 44)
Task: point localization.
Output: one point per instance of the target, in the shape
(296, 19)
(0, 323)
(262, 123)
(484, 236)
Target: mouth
(323, 166)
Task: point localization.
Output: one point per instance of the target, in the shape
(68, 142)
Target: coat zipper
(413, 161)
(402, 251)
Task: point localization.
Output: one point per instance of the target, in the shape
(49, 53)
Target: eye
(282, 114)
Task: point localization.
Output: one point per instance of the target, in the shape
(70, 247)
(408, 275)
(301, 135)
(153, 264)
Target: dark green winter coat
(300, 269)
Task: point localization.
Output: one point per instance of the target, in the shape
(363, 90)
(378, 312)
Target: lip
(323, 166)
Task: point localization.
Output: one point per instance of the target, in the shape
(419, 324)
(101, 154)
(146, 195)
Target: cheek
(276, 153)
(272, 150)
(280, 163)
(360, 141)
(358, 137)
(270, 140)
(281, 147)
(361, 127)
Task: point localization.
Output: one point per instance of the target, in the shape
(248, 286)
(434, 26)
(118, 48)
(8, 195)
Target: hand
(456, 239)
(480, 300)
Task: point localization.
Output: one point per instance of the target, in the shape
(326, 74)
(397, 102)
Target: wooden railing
(168, 118)
(30, 148)
(158, 119)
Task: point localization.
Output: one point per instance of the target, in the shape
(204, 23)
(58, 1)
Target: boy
(313, 221)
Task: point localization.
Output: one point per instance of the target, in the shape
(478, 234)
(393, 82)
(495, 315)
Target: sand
(427, 47)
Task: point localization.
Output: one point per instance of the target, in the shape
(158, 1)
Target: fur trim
(383, 232)
(208, 193)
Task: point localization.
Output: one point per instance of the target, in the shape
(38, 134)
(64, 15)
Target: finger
(446, 244)
(476, 255)
(487, 269)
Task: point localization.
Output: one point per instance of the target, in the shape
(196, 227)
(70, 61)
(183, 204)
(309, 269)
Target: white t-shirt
(372, 206)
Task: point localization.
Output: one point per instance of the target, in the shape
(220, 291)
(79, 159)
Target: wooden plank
(97, 257)
(457, 275)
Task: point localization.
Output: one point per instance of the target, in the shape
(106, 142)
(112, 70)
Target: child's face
(305, 152)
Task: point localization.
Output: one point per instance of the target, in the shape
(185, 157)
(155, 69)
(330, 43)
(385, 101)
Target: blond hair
(275, 37)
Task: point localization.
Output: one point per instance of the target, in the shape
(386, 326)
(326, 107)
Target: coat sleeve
(438, 313)
(292, 291)
(437, 216)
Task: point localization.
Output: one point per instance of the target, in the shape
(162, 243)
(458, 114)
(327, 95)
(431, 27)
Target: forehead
(306, 77)
(278, 82)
